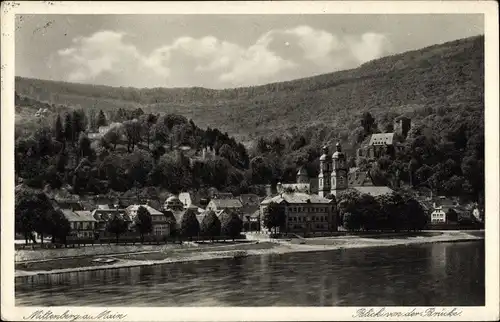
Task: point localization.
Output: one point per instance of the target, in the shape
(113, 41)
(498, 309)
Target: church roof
(382, 139)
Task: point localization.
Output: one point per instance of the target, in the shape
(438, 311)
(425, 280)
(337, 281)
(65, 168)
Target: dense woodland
(274, 129)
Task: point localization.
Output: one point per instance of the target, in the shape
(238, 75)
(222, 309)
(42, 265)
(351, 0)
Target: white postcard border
(488, 8)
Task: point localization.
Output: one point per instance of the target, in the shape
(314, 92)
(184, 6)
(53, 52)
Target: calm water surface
(447, 274)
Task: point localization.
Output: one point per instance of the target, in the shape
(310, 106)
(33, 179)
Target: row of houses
(88, 219)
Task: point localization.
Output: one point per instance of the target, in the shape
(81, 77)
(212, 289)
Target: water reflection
(423, 275)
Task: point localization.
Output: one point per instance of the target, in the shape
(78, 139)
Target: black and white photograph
(237, 159)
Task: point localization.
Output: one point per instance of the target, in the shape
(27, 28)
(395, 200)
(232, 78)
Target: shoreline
(277, 247)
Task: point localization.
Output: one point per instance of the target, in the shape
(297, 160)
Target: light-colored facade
(82, 223)
(438, 215)
(162, 226)
(225, 204)
(305, 213)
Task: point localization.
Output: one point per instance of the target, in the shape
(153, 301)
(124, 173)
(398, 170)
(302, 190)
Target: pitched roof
(249, 199)
(78, 216)
(249, 209)
(150, 209)
(227, 203)
(381, 139)
(224, 195)
(374, 190)
(296, 197)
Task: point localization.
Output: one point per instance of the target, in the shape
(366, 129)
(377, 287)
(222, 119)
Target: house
(304, 213)
(82, 223)
(162, 224)
(477, 214)
(438, 215)
(250, 202)
(440, 208)
(251, 222)
(103, 214)
(192, 199)
(173, 203)
(232, 204)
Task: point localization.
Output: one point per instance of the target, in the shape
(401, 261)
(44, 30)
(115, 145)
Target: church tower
(340, 169)
(302, 176)
(325, 173)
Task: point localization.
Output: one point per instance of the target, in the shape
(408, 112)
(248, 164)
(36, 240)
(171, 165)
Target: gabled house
(104, 214)
(226, 204)
(162, 223)
(81, 222)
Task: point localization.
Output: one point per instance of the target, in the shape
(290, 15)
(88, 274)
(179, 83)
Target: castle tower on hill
(325, 173)
(339, 171)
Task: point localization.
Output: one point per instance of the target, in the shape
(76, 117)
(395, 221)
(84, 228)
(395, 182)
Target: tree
(210, 225)
(231, 225)
(351, 222)
(417, 219)
(116, 226)
(32, 211)
(347, 201)
(190, 226)
(274, 217)
(68, 127)
(367, 122)
(143, 222)
(78, 123)
(277, 146)
(58, 129)
(392, 206)
(84, 146)
(451, 215)
(159, 133)
(262, 146)
(60, 227)
(226, 152)
(133, 133)
(112, 137)
(101, 119)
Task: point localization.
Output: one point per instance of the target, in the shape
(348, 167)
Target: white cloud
(106, 56)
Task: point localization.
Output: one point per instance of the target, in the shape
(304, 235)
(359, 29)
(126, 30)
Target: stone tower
(325, 173)
(302, 176)
(339, 171)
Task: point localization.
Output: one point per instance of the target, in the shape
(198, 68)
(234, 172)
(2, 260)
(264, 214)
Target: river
(445, 274)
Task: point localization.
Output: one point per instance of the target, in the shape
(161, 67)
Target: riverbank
(173, 254)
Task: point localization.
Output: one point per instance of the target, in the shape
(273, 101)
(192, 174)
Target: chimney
(278, 187)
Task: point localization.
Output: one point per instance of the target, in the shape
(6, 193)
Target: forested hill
(440, 77)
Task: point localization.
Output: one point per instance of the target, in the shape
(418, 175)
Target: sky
(219, 51)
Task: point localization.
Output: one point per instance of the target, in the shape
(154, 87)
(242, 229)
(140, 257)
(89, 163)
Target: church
(334, 177)
(307, 204)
